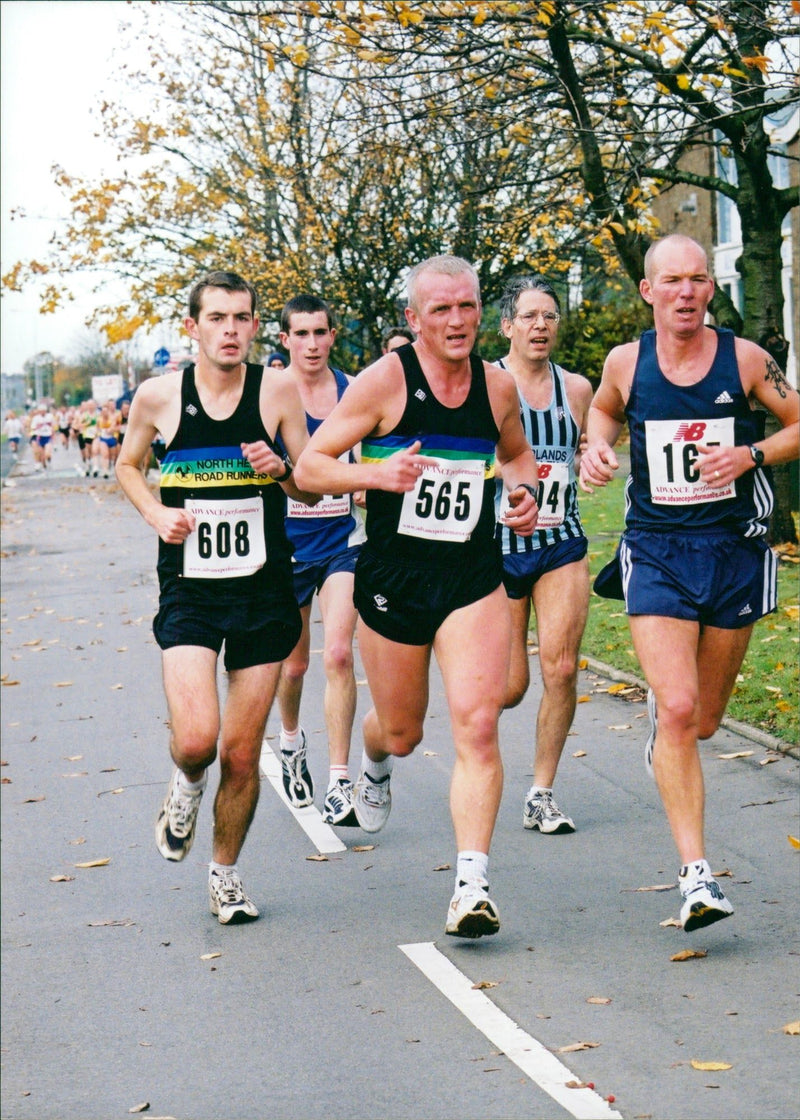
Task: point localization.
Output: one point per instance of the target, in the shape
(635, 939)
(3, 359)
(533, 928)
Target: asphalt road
(346, 1001)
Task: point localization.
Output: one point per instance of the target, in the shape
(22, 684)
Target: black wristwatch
(757, 455)
(532, 490)
(287, 462)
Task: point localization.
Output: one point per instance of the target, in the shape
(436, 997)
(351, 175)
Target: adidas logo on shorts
(380, 602)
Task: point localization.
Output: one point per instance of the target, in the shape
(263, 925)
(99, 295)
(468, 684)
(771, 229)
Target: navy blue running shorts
(521, 570)
(716, 579)
(310, 577)
(408, 605)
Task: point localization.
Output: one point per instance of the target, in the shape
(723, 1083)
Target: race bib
(672, 457)
(446, 502)
(228, 539)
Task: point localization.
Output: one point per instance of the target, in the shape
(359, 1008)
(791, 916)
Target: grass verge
(766, 692)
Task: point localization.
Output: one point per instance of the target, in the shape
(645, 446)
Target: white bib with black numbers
(228, 539)
(672, 458)
(445, 505)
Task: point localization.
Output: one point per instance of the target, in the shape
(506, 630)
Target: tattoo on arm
(776, 378)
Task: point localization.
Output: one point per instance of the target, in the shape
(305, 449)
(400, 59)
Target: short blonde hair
(445, 265)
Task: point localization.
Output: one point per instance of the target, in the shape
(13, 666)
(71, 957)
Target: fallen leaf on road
(579, 754)
(143, 1107)
(657, 887)
(794, 841)
(709, 1066)
(95, 862)
(614, 688)
(689, 955)
(575, 1046)
(736, 754)
(6, 681)
(62, 878)
(670, 922)
(32, 800)
(482, 984)
(116, 686)
(792, 1028)
(599, 999)
(363, 848)
(770, 758)
(443, 867)
(318, 858)
(620, 726)
(210, 956)
(63, 684)
(430, 754)
(583, 699)
(111, 922)
(726, 873)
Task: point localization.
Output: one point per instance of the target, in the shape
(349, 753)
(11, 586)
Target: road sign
(161, 357)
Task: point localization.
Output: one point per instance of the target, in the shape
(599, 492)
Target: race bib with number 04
(228, 539)
(673, 459)
(445, 505)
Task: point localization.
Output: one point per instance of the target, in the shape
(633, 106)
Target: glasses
(550, 317)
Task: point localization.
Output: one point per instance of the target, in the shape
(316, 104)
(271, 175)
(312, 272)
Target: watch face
(757, 455)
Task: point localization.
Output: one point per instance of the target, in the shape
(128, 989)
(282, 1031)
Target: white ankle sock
(470, 866)
(376, 770)
(190, 787)
(337, 772)
(290, 740)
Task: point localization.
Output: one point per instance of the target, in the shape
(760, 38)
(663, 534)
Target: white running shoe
(651, 741)
(541, 812)
(297, 782)
(703, 900)
(472, 913)
(176, 821)
(372, 802)
(338, 806)
(228, 900)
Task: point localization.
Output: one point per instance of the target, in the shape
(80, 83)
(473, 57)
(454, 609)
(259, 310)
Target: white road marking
(522, 1049)
(310, 819)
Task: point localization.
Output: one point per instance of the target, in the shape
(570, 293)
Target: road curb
(771, 742)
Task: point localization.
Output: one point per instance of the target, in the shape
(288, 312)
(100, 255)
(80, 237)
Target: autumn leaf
(670, 922)
(794, 841)
(62, 878)
(143, 1107)
(736, 754)
(615, 688)
(689, 955)
(643, 890)
(792, 1028)
(620, 726)
(63, 684)
(709, 1067)
(95, 862)
(583, 699)
(602, 1000)
(317, 858)
(575, 1046)
(210, 956)
(579, 754)
(363, 848)
(483, 984)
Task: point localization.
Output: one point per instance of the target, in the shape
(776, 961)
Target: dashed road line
(310, 819)
(534, 1059)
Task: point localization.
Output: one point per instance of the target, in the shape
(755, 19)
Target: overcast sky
(56, 62)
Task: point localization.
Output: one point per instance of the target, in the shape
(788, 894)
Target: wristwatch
(532, 490)
(757, 455)
(287, 462)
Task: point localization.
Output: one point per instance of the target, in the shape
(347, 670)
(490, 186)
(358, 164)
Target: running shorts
(309, 578)
(522, 570)
(408, 604)
(716, 579)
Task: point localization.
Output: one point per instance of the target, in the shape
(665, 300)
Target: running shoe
(542, 812)
(297, 781)
(338, 806)
(472, 913)
(228, 900)
(651, 741)
(372, 802)
(177, 819)
(703, 900)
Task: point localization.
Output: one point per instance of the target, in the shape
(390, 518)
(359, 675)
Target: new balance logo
(745, 610)
(420, 394)
(724, 398)
(380, 602)
(560, 412)
(191, 410)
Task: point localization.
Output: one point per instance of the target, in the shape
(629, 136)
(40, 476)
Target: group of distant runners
(431, 505)
(97, 430)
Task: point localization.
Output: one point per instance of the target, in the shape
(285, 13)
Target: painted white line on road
(310, 820)
(522, 1049)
